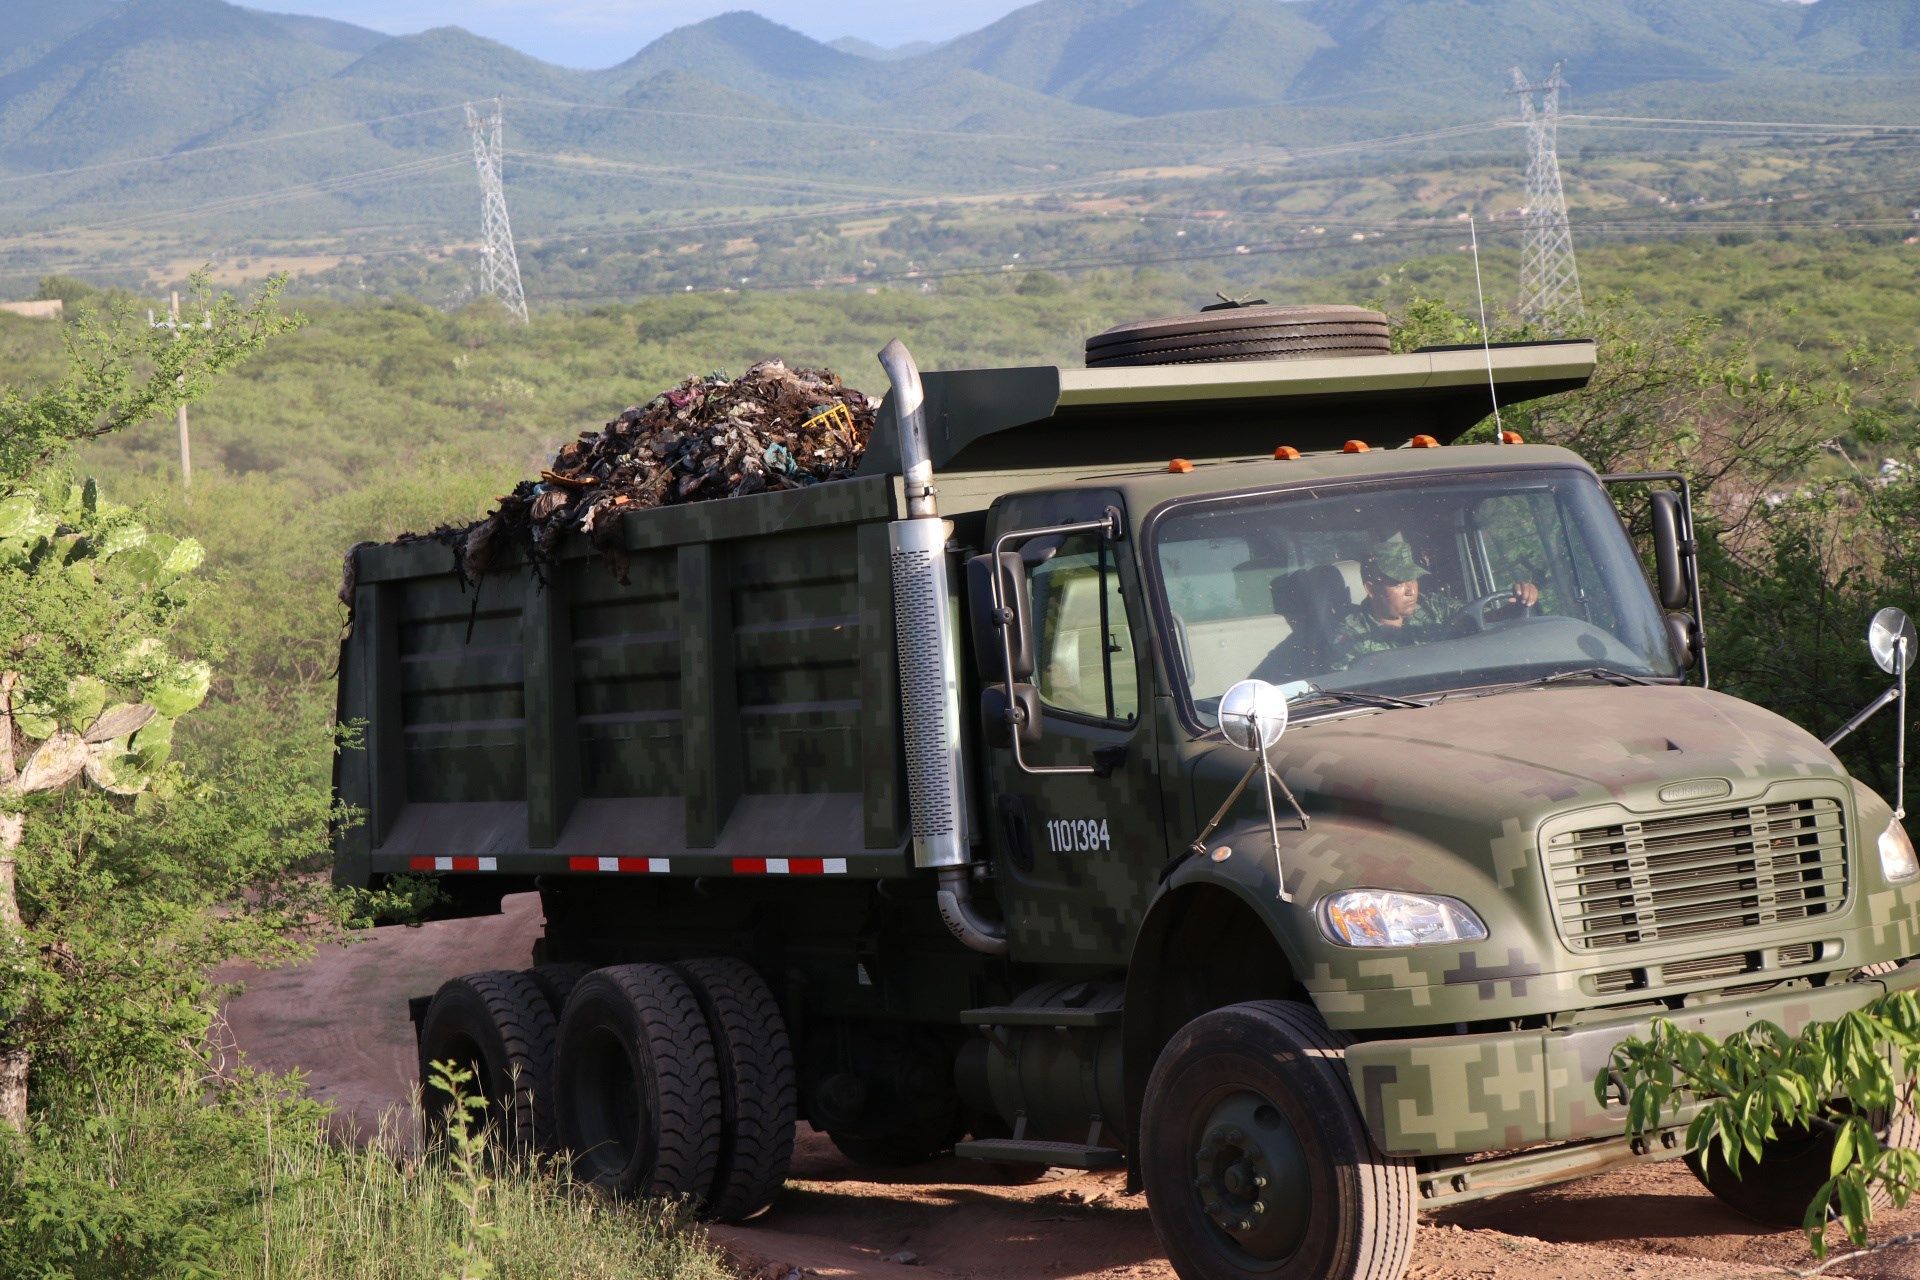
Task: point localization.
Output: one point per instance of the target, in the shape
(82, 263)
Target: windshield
(1406, 587)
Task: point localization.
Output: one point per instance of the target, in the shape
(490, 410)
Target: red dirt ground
(342, 1019)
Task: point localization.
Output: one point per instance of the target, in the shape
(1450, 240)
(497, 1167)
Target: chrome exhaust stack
(928, 646)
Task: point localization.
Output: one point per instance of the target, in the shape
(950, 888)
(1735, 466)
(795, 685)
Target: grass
(250, 1180)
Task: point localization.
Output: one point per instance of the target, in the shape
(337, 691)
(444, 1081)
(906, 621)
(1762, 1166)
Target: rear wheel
(556, 982)
(637, 1089)
(1256, 1160)
(757, 1102)
(1793, 1167)
(497, 1026)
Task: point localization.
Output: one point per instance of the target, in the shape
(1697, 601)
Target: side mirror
(1892, 641)
(1669, 575)
(1683, 639)
(1253, 715)
(1004, 631)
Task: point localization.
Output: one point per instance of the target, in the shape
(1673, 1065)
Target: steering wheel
(1475, 614)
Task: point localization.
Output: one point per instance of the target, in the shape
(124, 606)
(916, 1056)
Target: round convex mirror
(1889, 627)
(1250, 708)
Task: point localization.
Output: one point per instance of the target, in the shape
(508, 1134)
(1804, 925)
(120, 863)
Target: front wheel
(1256, 1160)
(1794, 1165)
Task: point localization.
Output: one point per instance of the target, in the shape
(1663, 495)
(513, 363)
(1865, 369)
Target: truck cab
(1216, 771)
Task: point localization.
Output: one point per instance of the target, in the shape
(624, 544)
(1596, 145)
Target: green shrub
(246, 1178)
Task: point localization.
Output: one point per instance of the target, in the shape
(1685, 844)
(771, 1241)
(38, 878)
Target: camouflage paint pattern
(726, 679)
(1456, 1094)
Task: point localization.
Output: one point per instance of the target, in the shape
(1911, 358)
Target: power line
(1777, 126)
(255, 199)
(223, 146)
(771, 182)
(407, 168)
(1298, 245)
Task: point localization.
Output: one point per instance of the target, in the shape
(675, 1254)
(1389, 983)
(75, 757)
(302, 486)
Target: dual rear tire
(498, 1029)
(673, 1081)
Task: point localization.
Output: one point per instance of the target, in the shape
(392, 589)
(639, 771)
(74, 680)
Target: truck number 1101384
(1077, 835)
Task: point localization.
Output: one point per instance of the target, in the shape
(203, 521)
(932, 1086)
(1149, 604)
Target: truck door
(1078, 853)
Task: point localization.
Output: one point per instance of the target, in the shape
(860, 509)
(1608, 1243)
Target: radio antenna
(1486, 342)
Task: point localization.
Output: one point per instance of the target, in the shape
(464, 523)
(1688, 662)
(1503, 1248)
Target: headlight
(1379, 918)
(1896, 853)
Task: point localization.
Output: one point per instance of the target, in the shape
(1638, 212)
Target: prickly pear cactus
(112, 720)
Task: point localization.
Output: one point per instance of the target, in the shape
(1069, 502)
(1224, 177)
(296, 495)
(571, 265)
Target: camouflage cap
(1392, 561)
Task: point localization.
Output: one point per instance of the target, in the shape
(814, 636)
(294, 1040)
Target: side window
(1085, 658)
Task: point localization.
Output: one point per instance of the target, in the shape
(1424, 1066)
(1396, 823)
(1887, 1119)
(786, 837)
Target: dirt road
(342, 1019)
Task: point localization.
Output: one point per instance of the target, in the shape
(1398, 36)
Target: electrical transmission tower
(499, 265)
(1549, 280)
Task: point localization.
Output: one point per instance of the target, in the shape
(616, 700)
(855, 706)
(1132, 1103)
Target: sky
(599, 33)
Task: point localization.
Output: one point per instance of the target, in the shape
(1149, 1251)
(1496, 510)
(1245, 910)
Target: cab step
(1064, 1155)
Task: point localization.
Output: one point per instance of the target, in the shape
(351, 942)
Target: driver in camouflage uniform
(1393, 614)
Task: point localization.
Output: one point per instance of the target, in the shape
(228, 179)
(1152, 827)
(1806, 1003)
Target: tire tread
(526, 1028)
(1382, 1195)
(684, 1111)
(758, 1102)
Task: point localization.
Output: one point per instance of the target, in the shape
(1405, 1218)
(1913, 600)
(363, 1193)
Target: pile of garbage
(710, 437)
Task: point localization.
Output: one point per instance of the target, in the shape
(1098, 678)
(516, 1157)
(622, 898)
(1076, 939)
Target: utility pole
(172, 324)
(1549, 280)
(499, 265)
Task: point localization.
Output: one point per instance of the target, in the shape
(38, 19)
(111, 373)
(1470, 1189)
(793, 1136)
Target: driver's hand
(1526, 593)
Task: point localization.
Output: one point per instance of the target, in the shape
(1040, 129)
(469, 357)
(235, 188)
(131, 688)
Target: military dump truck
(1077, 785)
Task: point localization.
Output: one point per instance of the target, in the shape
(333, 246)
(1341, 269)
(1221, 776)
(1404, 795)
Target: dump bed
(719, 694)
(716, 696)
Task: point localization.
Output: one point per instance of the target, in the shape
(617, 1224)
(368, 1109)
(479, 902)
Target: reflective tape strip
(789, 866)
(453, 864)
(658, 866)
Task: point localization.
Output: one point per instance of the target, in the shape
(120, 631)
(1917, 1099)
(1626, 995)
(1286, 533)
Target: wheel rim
(1250, 1179)
(606, 1092)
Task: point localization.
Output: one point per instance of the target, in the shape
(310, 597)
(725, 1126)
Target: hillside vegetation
(384, 417)
(1764, 372)
(737, 108)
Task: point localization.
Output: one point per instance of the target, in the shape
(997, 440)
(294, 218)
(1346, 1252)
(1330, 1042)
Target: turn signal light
(1286, 453)
(1423, 442)
(1354, 446)
(1511, 437)
(1180, 466)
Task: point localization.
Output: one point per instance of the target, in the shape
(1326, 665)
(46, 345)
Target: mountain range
(1057, 86)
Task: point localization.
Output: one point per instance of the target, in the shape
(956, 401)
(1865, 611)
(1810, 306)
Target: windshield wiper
(1608, 674)
(1355, 697)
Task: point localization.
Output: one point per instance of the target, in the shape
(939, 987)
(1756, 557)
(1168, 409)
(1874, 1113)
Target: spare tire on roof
(1242, 333)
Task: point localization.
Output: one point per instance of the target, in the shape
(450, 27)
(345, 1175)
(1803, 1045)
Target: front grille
(1709, 872)
(1613, 982)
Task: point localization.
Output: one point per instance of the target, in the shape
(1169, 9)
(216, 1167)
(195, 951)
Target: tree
(89, 688)
(122, 373)
(1830, 1079)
